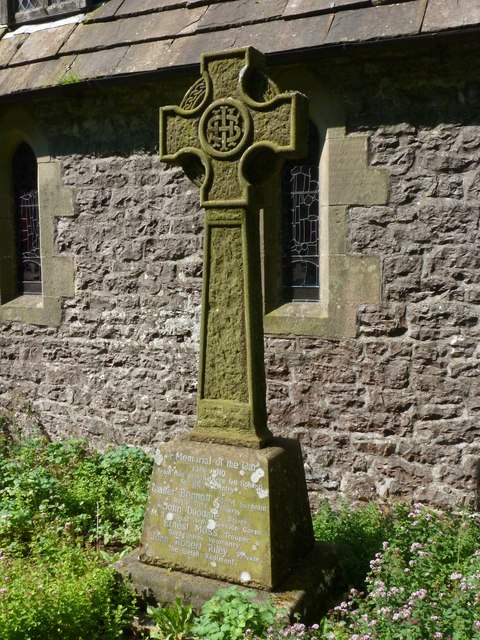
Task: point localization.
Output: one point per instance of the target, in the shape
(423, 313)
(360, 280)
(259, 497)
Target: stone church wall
(393, 412)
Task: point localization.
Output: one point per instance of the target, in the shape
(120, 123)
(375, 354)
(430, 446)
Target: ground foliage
(63, 507)
(408, 573)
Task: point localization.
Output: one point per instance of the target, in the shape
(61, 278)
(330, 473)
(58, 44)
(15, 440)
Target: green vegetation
(61, 505)
(419, 569)
(408, 573)
(358, 534)
(98, 497)
(172, 623)
(423, 584)
(229, 614)
(71, 78)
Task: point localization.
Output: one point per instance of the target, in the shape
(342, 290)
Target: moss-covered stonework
(231, 513)
(225, 349)
(227, 125)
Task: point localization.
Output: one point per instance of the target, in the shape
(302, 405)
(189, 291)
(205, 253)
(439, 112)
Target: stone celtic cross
(227, 134)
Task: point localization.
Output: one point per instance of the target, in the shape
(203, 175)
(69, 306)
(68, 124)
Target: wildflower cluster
(423, 585)
(297, 630)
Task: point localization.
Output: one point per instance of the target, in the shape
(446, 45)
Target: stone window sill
(296, 318)
(39, 310)
(24, 302)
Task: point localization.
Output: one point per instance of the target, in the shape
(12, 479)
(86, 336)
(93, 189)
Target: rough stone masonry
(391, 412)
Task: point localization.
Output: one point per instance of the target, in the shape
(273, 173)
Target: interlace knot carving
(224, 128)
(195, 95)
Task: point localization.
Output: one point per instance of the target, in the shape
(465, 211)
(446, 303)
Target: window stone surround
(346, 280)
(58, 276)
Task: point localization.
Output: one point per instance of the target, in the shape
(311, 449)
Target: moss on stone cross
(226, 134)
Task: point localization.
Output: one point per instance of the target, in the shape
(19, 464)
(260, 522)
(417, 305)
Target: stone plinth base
(228, 513)
(307, 590)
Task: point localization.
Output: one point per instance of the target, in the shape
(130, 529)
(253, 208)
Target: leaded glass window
(39, 10)
(28, 5)
(31, 5)
(301, 222)
(27, 227)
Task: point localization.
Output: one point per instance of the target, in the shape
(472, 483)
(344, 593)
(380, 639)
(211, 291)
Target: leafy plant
(358, 533)
(173, 622)
(424, 583)
(71, 78)
(64, 593)
(231, 613)
(98, 496)
(282, 632)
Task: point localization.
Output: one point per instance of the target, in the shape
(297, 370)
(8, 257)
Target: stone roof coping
(128, 37)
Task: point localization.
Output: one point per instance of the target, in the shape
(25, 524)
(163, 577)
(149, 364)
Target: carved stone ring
(224, 128)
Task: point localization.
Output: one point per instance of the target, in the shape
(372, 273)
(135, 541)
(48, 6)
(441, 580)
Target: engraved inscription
(208, 513)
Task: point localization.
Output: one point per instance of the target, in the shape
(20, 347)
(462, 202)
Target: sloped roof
(126, 37)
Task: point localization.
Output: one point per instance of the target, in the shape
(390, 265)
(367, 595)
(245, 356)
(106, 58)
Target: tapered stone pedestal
(306, 591)
(230, 513)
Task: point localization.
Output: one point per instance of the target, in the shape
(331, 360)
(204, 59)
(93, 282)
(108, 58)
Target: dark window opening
(27, 223)
(301, 224)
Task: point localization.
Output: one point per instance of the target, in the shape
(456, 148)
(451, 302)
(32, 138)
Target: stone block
(307, 591)
(229, 513)
(351, 181)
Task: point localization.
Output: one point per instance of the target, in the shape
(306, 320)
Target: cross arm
(178, 134)
(281, 124)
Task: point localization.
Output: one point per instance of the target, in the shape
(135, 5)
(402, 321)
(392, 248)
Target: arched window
(27, 224)
(301, 223)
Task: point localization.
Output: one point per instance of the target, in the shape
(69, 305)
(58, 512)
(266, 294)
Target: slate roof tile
(132, 7)
(148, 56)
(240, 12)
(133, 36)
(154, 26)
(107, 10)
(301, 7)
(187, 51)
(451, 14)
(46, 73)
(299, 35)
(97, 64)
(42, 44)
(377, 22)
(9, 47)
